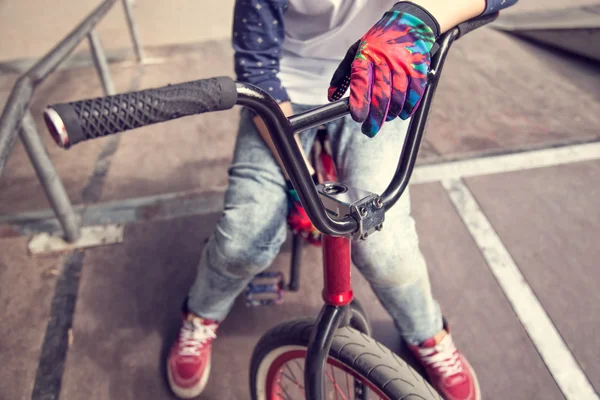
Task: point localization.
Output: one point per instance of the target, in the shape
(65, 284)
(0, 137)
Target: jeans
(253, 226)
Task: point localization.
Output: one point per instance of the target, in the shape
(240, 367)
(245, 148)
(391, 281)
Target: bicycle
(339, 337)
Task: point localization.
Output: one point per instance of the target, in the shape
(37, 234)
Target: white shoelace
(193, 335)
(443, 357)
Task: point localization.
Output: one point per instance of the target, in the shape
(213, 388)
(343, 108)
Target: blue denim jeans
(253, 226)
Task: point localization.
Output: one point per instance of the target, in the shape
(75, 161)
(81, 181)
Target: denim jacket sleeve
(491, 6)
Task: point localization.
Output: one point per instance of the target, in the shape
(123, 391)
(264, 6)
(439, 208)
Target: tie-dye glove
(387, 68)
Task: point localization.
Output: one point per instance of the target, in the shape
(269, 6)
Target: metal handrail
(16, 116)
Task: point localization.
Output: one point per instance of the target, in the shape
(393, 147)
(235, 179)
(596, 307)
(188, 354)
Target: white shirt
(318, 34)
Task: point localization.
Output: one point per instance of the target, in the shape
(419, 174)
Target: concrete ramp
(575, 30)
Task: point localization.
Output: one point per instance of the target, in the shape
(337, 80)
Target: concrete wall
(29, 28)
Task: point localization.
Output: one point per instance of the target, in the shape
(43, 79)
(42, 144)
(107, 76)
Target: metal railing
(16, 116)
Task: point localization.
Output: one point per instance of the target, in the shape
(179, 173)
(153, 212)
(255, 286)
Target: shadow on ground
(127, 314)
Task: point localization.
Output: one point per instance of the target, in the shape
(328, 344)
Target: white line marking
(163, 206)
(506, 163)
(544, 335)
(90, 236)
(421, 174)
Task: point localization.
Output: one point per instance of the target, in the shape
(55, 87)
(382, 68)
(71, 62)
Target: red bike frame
(337, 290)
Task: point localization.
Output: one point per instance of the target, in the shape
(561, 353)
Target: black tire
(360, 318)
(356, 351)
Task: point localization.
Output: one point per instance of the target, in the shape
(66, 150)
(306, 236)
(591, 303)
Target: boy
(290, 50)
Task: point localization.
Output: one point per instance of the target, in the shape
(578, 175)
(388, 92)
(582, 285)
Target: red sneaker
(449, 371)
(188, 366)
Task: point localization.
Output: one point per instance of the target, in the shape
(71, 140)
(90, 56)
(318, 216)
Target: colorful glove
(298, 220)
(387, 68)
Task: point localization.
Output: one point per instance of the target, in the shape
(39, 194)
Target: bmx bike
(332, 357)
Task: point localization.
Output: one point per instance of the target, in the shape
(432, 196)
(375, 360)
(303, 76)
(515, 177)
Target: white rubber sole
(192, 392)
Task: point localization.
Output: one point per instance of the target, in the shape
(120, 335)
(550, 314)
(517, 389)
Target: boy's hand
(386, 71)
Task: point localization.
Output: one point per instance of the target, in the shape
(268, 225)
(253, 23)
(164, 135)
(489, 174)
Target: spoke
(287, 395)
(297, 364)
(333, 375)
(348, 385)
(292, 378)
(294, 381)
(337, 387)
(292, 373)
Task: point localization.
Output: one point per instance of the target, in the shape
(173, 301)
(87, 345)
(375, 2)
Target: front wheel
(355, 361)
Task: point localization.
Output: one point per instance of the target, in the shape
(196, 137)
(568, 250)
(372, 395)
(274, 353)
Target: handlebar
(475, 23)
(70, 123)
(77, 121)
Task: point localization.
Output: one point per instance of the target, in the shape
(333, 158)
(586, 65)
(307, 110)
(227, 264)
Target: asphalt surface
(96, 323)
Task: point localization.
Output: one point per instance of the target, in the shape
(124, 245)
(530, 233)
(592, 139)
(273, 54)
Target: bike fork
(336, 313)
(328, 322)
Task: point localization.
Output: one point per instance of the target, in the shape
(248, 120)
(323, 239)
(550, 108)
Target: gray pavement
(549, 220)
(498, 95)
(26, 290)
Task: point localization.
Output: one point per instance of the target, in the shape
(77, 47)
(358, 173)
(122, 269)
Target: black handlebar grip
(475, 23)
(70, 123)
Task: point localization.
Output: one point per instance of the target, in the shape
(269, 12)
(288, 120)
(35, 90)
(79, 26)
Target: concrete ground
(505, 198)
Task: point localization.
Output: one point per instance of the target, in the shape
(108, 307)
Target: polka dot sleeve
(258, 34)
